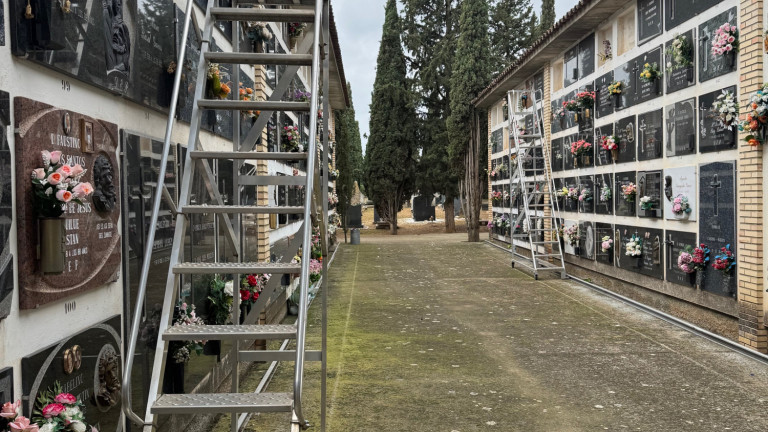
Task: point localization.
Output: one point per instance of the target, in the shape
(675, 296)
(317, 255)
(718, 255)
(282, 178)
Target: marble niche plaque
(568, 248)
(603, 206)
(651, 262)
(2, 36)
(650, 135)
(560, 201)
(571, 205)
(567, 155)
(604, 99)
(713, 66)
(571, 66)
(586, 160)
(602, 157)
(624, 129)
(649, 185)
(681, 128)
(587, 56)
(587, 240)
(87, 365)
(713, 135)
(717, 218)
(586, 122)
(6, 384)
(6, 209)
(626, 74)
(684, 76)
(645, 91)
(602, 230)
(681, 182)
(622, 235)
(92, 245)
(587, 184)
(623, 207)
(677, 12)
(649, 20)
(677, 242)
(557, 154)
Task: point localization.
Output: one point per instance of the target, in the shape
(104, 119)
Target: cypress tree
(513, 29)
(547, 15)
(471, 73)
(390, 153)
(349, 158)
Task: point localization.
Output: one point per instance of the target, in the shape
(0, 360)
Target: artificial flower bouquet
(634, 246)
(572, 234)
(606, 244)
(56, 184)
(573, 194)
(646, 203)
(55, 411)
(628, 191)
(185, 315)
(756, 122)
(580, 147)
(679, 53)
(726, 109)
(726, 40)
(217, 85)
(586, 99)
(291, 138)
(725, 262)
(605, 193)
(220, 298)
(251, 287)
(615, 88)
(650, 72)
(571, 105)
(585, 195)
(609, 142)
(681, 206)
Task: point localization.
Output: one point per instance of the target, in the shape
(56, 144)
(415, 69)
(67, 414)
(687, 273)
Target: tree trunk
(450, 221)
(472, 180)
(393, 218)
(345, 234)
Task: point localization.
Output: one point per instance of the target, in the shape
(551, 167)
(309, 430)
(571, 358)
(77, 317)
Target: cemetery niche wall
(90, 238)
(6, 208)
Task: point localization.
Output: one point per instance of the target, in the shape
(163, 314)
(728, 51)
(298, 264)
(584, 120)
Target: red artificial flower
(252, 280)
(245, 295)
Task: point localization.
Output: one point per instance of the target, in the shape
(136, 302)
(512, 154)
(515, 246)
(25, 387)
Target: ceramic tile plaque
(92, 242)
(681, 183)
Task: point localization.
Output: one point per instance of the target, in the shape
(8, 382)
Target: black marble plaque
(681, 128)
(571, 205)
(713, 136)
(713, 66)
(649, 20)
(644, 90)
(625, 131)
(355, 216)
(680, 11)
(604, 99)
(555, 124)
(717, 218)
(587, 56)
(567, 155)
(601, 231)
(676, 242)
(604, 206)
(6, 209)
(571, 66)
(6, 385)
(586, 194)
(627, 74)
(558, 187)
(649, 183)
(423, 209)
(685, 76)
(650, 134)
(557, 154)
(538, 85)
(622, 206)
(587, 240)
(88, 365)
(653, 253)
(587, 159)
(2, 23)
(497, 140)
(602, 157)
(586, 117)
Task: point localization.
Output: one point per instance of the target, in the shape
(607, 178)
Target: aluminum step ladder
(531, 184)
(311, 53)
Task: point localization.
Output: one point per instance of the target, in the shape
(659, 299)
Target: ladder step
(236, 268)
(266, 15)
(229, 332)
(545, 242)
(217, 209)
(226, 104)
(213, 403)
(277, 2)
(285, 355)
(259, 58)
(529, 136)
(246, 180)
(198, 154)
(546, 255)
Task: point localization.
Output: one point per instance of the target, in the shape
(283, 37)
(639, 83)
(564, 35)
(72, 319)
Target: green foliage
(220, 302)
(547, 15)
(349, 157)
(513, 28)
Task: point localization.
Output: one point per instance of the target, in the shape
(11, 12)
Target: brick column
(752, 331)
(489, 213)
(546, 114)
(262, 169)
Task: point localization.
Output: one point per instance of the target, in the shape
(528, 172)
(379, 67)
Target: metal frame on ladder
(534, 187)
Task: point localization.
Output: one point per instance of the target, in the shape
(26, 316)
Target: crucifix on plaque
(642, 128)
(716, 184)
(705, 39)
(672, 9)
(634, 77)
(670, 246)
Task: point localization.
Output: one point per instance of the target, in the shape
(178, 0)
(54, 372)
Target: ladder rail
(127, 405)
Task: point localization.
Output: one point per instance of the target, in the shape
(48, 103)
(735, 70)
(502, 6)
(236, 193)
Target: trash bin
(355, 236)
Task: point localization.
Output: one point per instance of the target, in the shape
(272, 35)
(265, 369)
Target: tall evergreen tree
(390, 153)
(430, 38)
(547, 15)
(513, 29)
(349, 158)
(471, 73)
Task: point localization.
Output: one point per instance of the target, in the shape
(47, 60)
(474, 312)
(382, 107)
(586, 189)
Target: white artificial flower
(72, 413)
(77, 426)
(48, 427)
(229, 288)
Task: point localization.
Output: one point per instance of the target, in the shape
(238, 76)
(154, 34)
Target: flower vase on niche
(692, 278)
(51, 243)
(577, 250)
(689, 74)
(258, 47)
(617, 101)
(726, 284)
(213, 348)
(639, 263)
(615, 154)
(585, 160)
(562, 122)
(586, 113)
(173, 380)
(657, 86)
(730, 59)
(700, 279)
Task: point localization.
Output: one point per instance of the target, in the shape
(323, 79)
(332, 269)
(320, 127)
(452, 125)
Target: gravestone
(558, 187)
(650, 134)
(681, 128)
(189, 78)
(570, 120)
(714, 66)
(538, 85)
(571, 205)
(92, 246)
(682, 77)
(2, 35)
(355, 216)
(626, 73)
(88, 366)
(601, 231)
(622, 206)
(717, 219)
(6, 385)
(625, 132)
(681, 181)
(604, 206)
(571, 66)
(677, 12)
(587, 159)
(587, 56)
(567, 247)
(651, 262)
(645, 91)
(676, 242)
(586, 119)
(557, 154)
(604, 98)
(587, 240)
(602, 157)
(497, 140)
(649, 20)
(423, 209)
(567, 155)
(6, 209)
(713, 135)
(649, 185)
(586, 205)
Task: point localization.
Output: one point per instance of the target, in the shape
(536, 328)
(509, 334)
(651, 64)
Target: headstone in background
(622, 206)
(625, 131)
(714, 66)
(712, 135)
(557, 154)
(676, 242)
(649, 20)
(602, 180)
(602, 230)
(6, 207)
(422, 208)
(681, 128)
(681, 181)
(587, 205)
(717, 218)
(567, 155)
(649, 90)
(683, 77)
(649, 185)
(602, 157)
(587, 240)
(650, 134)
(571, 205)
(604, 99)
(355, 216)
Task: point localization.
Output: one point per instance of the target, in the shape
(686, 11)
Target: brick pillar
(546, 114)
(489, 213)
(262, 192)
(752, 331)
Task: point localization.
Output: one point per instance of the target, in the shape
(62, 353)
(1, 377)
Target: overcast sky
(359, 23)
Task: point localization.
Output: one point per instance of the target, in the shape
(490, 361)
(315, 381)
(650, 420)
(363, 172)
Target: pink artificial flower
(76, 170)
(65, 170)
(22, 424)
(728, 47)
(734, 28)
(55, 178)
(676, 208)
(53, 410)
(64, 195)
(10, 410)
(731, 39)
(83, 190)
(65, 398)
(38, 174)
(55, 157)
